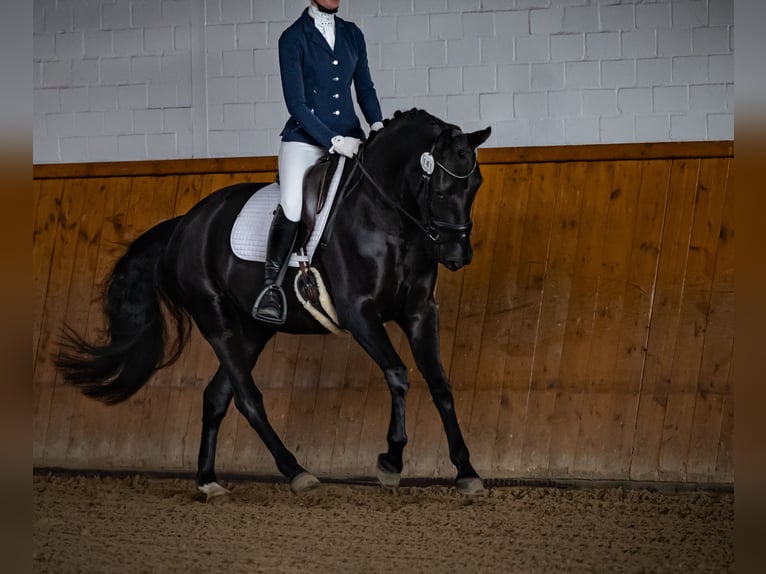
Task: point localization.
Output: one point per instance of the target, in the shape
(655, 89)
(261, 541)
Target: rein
(432, 226)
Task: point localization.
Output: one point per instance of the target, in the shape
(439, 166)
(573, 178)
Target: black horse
(403, 209)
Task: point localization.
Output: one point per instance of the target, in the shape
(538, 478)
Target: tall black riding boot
(270, 305)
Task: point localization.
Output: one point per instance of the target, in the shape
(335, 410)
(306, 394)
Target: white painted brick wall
(138, 79)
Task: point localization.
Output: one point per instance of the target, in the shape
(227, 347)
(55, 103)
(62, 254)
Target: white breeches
(294, 159)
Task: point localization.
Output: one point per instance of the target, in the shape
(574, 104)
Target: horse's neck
(389, 165)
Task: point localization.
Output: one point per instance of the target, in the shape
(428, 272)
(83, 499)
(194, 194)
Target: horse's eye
(461, 154)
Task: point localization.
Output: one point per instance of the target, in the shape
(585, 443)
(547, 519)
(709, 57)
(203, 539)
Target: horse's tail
(136, 327)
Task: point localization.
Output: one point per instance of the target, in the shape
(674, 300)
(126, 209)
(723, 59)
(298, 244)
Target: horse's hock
(591, 336)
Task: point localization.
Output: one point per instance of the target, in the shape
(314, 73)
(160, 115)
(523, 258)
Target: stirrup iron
(283, 299)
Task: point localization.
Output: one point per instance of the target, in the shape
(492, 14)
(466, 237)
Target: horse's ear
(475, 139)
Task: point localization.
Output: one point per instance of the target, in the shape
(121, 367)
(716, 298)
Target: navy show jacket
(316, 82)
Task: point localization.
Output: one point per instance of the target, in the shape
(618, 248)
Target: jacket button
(336, 96)
(336, 113)
(336, 79)
(335, 62)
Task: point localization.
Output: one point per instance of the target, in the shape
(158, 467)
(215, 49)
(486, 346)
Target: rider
(320, 55)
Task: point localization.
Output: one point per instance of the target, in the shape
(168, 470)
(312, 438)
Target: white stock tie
(325, 23)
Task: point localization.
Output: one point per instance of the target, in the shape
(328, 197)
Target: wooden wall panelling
(487, 386)
(36, 188)
(712, 361)
(566, 424)
(79, 226)
(510, 190)
(40, 267)
(93, 258)
(657, 384)
(633, 331)
(258, 166)
(611, 152)
(527, 256)
(300, 417)
(545, 378)
(64, 408)
(724, 466)
(44, 235)
(324, 425)
(694, 312)
(47, 410)
(113, 243)
(599, 435)
(716, 360)
(212, 182)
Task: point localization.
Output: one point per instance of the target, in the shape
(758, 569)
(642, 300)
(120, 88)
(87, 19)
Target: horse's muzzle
(455, 256)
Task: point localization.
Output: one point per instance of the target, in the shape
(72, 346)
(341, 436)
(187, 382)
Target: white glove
(376, 126)
(345, 145)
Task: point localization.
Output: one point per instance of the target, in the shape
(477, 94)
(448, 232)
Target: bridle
(432, 227)
(427, 164)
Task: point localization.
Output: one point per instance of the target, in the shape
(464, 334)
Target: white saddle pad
(250, 232)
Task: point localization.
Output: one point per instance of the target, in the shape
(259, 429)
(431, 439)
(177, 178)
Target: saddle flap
(316, 183)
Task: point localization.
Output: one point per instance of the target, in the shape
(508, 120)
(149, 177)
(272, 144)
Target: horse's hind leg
(226, 334)
(217, 398)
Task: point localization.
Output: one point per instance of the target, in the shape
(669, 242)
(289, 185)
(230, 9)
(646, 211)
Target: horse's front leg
(369, 332)
(422, 330)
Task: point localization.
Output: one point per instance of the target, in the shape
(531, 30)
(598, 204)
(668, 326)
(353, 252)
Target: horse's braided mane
(414, 114)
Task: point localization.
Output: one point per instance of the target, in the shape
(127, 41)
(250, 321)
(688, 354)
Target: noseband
(432, 227)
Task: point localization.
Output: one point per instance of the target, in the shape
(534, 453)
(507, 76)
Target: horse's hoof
(213, 490)
(303, 482)
(469, 486)
(388, 479)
